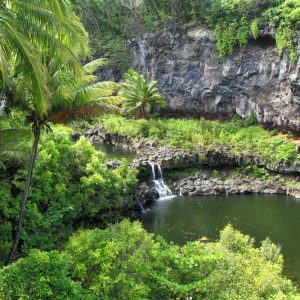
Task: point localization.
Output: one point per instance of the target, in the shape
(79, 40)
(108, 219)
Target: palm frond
(83, 112)
(92, 66)
(10, 136)
(13, 145)
(19, 156)
(28, 57)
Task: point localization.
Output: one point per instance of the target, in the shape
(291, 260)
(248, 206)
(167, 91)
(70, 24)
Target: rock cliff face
(196, 82)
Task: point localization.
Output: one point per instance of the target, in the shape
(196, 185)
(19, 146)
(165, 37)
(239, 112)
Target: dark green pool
(114, 152)
(182, 219)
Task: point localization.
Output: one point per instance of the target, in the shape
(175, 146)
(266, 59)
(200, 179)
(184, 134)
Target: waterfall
(160, 186)
(142, 54)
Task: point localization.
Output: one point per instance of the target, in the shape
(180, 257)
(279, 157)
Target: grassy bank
(236, 136)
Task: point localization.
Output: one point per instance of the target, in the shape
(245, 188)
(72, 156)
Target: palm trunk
(25, 195)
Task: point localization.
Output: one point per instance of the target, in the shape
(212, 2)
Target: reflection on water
(114, 152)
(183, 219)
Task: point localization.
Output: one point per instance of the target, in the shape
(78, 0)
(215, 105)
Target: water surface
(183, 219)
(115, 152)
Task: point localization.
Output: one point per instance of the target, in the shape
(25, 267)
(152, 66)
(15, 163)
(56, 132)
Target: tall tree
(69, 98)
(42, 42)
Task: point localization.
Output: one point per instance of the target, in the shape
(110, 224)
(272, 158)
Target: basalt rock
(173, 158)
(200, 183)
(145, 193)
(197, 82)
(295, 192)
(208, 184)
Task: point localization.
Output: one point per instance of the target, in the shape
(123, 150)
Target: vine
(230, 35)
(111, 23)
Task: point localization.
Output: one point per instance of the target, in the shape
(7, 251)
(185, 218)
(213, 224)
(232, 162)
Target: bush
(125, 262)
(40, 275)
(71, 188)
(115, 263)
(286, 18)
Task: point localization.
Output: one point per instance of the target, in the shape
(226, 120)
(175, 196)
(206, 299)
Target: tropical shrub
(254, 171)
(40, 275)
(71, 188)
(125, 262)
(286, 18)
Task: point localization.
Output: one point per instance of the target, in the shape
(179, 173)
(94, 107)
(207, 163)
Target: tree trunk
(138, 113)
(14, 247)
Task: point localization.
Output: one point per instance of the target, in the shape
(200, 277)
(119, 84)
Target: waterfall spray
(160, 186)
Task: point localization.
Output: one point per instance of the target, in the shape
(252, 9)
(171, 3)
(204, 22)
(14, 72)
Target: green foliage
(182, 11)
(254, 171)
(71, 187)
(40, 275)
(140, 96)
(125, 262)
(32, 34)
(231, 34)
(72, 95)
(234, 21)
(251, 120)
(116, 262)
(215, 173)
(286, 18)
(110, 23)
(255, 28)
(233, 136)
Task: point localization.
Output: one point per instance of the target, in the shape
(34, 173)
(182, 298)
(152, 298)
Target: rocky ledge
(205, 183)
(174, 158)
(285, 178)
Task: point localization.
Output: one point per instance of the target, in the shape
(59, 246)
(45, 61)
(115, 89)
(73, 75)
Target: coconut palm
(34, 36)
(41, 44)
(32, 32)
(69, 98)
(139, 95)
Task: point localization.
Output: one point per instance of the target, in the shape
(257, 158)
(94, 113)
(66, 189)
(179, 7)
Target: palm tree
(33, 31)
(41, 44)
(69, 98)
(139, 95)
(34, 36)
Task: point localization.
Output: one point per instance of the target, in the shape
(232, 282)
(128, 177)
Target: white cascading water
(143, 55)
(160, 186)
